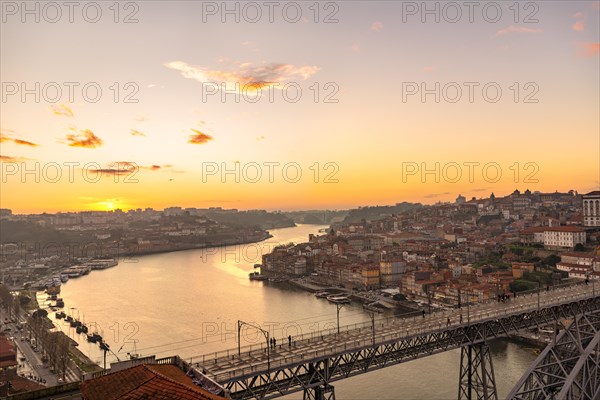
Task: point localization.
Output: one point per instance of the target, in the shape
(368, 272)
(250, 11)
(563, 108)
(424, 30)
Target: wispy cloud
(250, 45)
(13, 159)
(62, 110)
(246, 76)
(434, 195)
(84, 138)
(134, 132)
(4, 138)
(587, 49)
(517, 29)
(199, 137)
(376, 26)
(126, 168)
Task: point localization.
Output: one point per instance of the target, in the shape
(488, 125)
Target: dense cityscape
(405, 259)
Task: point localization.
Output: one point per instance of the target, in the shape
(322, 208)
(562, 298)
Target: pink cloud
(587, 49)
(517, 29)
(579, 26)
(376, 26)
(247, 76)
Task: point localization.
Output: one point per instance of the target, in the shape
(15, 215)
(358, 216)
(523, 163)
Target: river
(188, 303)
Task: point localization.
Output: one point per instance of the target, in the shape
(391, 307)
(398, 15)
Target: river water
(188, 303)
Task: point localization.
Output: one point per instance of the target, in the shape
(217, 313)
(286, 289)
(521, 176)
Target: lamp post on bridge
(339, 307)
(265, 333)
(589, 276)
(373, 326)
(538, 294)
(468, 307)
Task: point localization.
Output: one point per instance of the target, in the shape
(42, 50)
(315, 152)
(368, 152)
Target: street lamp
(468, 307)
(73, 314)
(538, 295)
(266, 333)
(339, 307)
(587, 278)
(373, 326)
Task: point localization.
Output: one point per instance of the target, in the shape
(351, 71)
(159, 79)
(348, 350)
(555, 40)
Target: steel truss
(323, 392)
(308, 373)
(476, 373)
(569, 367)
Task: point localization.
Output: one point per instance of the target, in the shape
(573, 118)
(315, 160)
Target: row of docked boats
(80, 327)
(255, 276)
(336, 298)
(52, 284)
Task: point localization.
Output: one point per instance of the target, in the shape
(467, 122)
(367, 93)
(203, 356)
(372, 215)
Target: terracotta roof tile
(147, 381)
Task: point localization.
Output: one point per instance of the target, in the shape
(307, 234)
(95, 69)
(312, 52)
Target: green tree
(521, 286)
(579, 247)
(552, 260)
(7, 299)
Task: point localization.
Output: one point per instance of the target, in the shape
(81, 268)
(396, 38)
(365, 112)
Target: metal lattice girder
(342, 361)
(568, 368)
(324, 392)
(476, 373)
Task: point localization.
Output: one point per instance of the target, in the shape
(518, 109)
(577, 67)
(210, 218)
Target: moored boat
(255, 276)
(338, 299)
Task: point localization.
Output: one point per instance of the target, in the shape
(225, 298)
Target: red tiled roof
(578, 254)
(7, 348)
(568, 228)
(148, 381)
(534, 229)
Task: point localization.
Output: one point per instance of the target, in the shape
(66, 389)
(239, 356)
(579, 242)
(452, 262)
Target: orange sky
(148, 114)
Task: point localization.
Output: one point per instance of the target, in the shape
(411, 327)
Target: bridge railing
(564, 291)
(390, 334)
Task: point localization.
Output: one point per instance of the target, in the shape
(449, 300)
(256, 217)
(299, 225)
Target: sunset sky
(178, 57)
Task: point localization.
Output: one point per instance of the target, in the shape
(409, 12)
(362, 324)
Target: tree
(40, 313)
(6, 298)
(521, 286)
(24, 300)
(579, 247)
(552, 260)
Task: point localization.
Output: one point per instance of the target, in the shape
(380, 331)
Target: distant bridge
(316, 360)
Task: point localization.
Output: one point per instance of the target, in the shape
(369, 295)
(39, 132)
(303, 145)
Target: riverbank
(196, 247)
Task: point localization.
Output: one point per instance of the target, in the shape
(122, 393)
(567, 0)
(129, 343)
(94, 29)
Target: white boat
(102, 264)
(338, 299)
(322, 294)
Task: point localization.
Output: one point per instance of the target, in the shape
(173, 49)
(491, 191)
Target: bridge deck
(227, 366)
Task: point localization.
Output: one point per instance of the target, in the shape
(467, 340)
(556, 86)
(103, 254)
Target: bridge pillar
(323, 392)
(476, 380)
